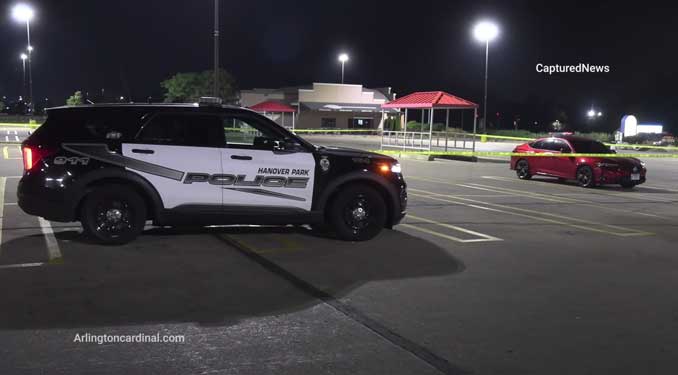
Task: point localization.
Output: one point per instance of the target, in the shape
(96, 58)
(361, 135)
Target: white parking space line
(3, 181)
(22, 265)
(629, 194)
(587, 225)
(558, 198)
(483, 237)
(659, 188)
(53, 250)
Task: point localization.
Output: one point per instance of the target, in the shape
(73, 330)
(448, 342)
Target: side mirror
(285, 146)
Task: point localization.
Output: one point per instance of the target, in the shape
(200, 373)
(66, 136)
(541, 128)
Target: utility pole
(215, 89)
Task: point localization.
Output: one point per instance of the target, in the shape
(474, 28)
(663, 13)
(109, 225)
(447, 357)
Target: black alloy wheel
(358, 213)
(113, 215)
(523, 169)
(585, 176)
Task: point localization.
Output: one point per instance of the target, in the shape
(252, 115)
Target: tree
(189, 87)
(75, 99)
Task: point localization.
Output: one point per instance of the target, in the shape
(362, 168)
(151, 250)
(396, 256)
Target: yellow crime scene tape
(19, 125)
(338, 131)
(482, 138)
(518, 154)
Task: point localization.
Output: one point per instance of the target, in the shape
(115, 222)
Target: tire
(113, 215)
(627, 184)
(357, 213)
(523, 169)
(585, 177)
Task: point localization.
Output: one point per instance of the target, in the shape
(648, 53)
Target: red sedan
(587, 171)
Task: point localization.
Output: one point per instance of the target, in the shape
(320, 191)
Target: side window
(549, 144)
(248, 134)
(91, 125)
(182, 130)
(560, 145)
(538, 145)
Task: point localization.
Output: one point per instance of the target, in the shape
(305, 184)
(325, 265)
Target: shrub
(414, 126)
(438, 127)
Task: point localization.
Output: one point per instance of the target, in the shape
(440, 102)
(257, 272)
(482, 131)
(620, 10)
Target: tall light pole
(343, 58)
(485, 31)
(24, 14)
(215, 89)
(23, 57)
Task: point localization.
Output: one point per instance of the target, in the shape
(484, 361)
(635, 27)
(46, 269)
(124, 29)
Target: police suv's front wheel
(113, 215)
(358, 213)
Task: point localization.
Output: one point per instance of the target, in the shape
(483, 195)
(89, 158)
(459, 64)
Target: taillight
(33, 154)
(28, 158)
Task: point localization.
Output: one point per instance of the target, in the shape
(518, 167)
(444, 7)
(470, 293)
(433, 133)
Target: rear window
(89, 125)
(183, 129)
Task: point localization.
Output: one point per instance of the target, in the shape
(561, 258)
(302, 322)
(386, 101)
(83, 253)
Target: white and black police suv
(113, 167)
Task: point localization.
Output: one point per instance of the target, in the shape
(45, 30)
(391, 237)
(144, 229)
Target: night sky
(128, 47)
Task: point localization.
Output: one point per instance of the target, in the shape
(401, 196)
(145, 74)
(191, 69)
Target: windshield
(589, 147)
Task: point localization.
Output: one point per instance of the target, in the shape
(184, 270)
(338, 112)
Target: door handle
(142, 151)
(241, 157)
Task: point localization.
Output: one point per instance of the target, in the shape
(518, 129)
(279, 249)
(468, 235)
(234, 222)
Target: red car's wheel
(585, 176)
(523, 169)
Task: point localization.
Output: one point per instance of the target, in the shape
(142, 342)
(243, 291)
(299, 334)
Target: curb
(416, 157)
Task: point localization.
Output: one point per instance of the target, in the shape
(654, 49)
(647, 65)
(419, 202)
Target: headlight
(386, 168)
(642, 164)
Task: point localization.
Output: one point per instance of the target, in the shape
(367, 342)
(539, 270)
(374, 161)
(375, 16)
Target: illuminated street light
(343, 58)
(23, 13)
(485, 31)
(600, 114)
(23, 57)
(591, 113)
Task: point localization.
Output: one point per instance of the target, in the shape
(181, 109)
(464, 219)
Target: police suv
(113, 167)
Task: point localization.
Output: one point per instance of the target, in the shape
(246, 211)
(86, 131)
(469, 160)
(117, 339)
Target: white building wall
(249, 98)
(338, 93)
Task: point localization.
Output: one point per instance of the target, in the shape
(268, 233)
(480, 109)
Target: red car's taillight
(32, 155)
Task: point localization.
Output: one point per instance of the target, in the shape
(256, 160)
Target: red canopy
(272, 106)
(430, 99)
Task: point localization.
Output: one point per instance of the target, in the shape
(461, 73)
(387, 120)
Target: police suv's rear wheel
(358, 213)
(113, 215)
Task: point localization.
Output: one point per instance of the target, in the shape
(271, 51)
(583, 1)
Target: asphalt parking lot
(488, 274)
